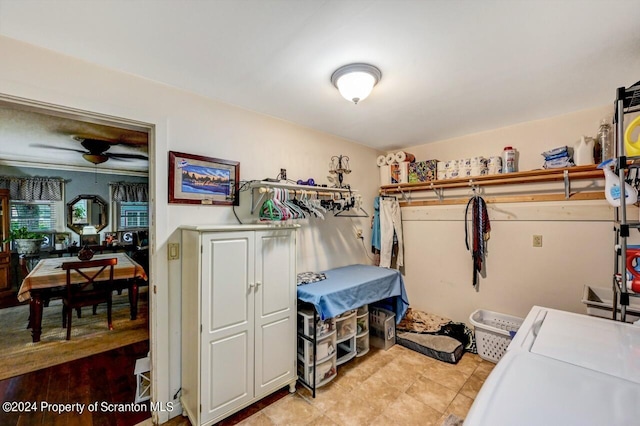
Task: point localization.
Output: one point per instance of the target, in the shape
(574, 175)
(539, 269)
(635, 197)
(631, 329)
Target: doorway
(89, 120)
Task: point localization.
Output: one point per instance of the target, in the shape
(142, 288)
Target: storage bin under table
(362, 330)
(382, 331)
(346, 336)
(316, 348)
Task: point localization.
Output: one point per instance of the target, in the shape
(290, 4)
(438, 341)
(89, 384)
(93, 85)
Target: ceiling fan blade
(126, 156)
(37, 145)
(95, 146)
(123, 140)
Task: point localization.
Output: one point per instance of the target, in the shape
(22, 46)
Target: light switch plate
(173, 252)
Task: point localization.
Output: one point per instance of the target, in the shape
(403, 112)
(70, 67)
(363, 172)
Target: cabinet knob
(258, 283)
(251, 285)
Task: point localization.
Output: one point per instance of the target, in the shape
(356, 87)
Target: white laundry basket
(493, 332)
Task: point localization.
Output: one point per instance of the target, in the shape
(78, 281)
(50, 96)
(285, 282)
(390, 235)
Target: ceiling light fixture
(355, 81)
(95, 158)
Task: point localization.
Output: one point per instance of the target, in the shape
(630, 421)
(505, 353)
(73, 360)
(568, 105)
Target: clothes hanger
(297, 212)
(349, 206)
(310, 206)
(269, 211)
(317, 203)
(284, 211)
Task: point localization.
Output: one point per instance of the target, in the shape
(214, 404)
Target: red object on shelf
(632, 254)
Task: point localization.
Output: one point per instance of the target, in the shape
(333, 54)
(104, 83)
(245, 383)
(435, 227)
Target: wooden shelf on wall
(589, 172)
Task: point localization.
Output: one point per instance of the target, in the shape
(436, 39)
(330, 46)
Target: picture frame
(48, 241)
(90, 239)
(195, 179)
(111, 238)
(126, 238)
(63, 239)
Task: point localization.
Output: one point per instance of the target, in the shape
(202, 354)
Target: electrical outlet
(359, 234)
(537, 240)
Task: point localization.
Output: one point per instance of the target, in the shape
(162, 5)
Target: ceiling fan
(96, 150)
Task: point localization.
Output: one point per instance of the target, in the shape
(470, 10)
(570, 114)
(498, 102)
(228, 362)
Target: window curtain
(131, 192)
(32, 189)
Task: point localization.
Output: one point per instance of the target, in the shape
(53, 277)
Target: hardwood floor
(106, 379)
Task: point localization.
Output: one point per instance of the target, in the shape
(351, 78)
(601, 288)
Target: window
(39, 216)
(133, 215)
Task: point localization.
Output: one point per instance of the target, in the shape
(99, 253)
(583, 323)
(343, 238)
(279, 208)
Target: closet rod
(581, 196)
(264, 190)
(504, 179)
(265, 184)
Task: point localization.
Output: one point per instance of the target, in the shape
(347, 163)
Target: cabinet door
(275, 310)
(227, 322)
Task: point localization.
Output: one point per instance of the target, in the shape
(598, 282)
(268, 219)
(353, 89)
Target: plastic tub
(382, 328)
(494, 332)
(599, 301)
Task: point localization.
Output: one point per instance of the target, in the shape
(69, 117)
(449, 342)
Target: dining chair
(46, 295)
(91, 291)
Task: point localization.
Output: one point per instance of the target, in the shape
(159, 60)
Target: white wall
(188, 123)
(577, 236)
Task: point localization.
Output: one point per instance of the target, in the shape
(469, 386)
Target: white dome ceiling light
(355, 81)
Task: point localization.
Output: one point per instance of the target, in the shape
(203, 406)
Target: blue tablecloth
(352, 286)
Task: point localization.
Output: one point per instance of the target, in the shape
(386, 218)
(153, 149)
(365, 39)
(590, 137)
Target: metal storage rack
(312, 332)
(627, 101)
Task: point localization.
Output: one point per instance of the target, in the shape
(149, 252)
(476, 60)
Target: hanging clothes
(480, 228)
(390, 223)
(375, 231)
(375, 227)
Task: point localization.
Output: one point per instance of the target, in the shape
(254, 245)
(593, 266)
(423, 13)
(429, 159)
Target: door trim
(155, 126)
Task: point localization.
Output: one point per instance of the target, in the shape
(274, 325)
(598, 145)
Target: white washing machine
(564, 369)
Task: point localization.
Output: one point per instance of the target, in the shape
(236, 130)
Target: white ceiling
(449, 67)
(42, 140)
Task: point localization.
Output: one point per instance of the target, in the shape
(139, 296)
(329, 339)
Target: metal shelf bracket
(438, 191)
(254, 206)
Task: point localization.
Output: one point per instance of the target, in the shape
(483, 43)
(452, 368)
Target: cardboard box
(423, 171)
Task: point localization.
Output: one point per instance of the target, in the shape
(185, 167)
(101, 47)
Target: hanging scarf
(480, 228)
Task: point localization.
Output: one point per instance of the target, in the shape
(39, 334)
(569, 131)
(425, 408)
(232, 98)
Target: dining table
(47, 280)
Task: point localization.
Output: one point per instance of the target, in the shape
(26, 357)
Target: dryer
(566, 369)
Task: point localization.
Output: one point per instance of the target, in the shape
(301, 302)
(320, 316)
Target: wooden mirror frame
(94, 199)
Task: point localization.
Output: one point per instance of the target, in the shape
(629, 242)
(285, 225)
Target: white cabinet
(238, 317)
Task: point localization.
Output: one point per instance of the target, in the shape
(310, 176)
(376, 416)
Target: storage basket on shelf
(494, 332)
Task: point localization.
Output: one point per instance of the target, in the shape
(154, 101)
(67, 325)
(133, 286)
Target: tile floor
(397, 386)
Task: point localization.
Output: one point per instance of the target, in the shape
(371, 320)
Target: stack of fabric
(310, 277)
(557, 158)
